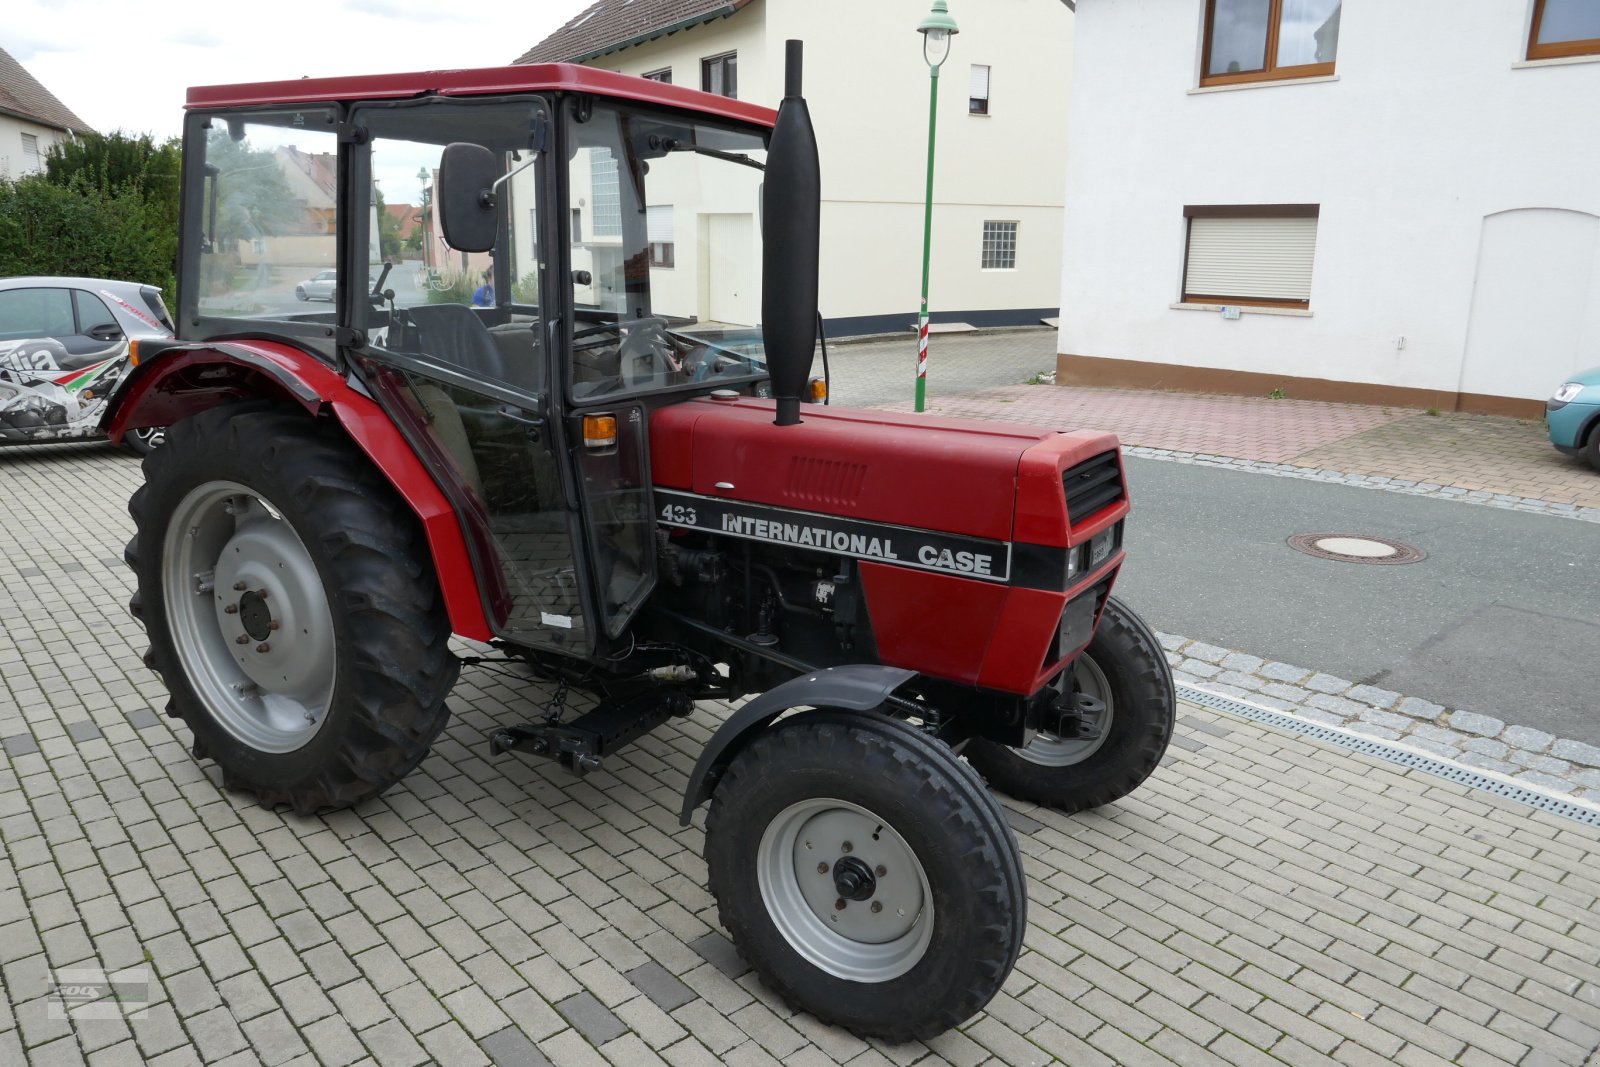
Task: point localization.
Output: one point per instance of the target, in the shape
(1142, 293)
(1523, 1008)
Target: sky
(128, 66)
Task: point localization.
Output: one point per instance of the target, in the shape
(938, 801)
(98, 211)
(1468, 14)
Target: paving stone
(1527, 738)
(511, 1048)
(1576, 752)
(659, 984)
(1370, 694)
(1418, 708)
(591, 1018)
(1326, 683)
(1474, 723)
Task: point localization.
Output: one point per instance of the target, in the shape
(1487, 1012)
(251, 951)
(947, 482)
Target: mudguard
(174, 380)
(856, 687)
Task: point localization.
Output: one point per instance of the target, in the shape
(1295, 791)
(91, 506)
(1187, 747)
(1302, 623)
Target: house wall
(1430, 129)
(866, 84)
(13, 164)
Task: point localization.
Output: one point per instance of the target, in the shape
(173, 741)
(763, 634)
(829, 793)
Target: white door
(1536, 303)
(733, 276)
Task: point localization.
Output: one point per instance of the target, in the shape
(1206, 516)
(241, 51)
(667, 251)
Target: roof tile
(606, 25)
(22, 95)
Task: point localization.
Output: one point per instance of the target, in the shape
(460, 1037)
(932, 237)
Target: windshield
(665, 243)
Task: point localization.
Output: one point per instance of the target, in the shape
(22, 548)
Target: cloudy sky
(128, 66)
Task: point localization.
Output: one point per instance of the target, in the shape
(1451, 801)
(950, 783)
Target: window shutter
(658, 224)
(30, 154)
(980, 82)
(1251, 258)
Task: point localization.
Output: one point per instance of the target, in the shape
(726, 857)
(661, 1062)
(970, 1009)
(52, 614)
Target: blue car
(1573, 415)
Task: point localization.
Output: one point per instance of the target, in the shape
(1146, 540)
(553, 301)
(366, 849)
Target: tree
(388, 228)
(253, 197)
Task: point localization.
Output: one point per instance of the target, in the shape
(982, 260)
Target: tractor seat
(521, 355)
(452, 334)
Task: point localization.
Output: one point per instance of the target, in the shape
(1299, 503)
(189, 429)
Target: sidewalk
(1263, 899)
(1482, 456)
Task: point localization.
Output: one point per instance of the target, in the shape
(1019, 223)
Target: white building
(1001, 152)
(1399, 203)
(32, 120)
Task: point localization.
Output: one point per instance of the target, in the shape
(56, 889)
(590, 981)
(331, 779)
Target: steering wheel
(647, 355)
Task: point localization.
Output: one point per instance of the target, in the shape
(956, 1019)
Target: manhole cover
(1356, 548)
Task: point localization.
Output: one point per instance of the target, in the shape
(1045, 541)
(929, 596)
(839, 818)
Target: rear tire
(925, 837)
(1125, 662)
(264, 521)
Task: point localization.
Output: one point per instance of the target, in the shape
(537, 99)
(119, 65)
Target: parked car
(64, 348)
(1573, 415)
(323, 285)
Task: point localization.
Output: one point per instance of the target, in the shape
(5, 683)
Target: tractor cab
(576, 259)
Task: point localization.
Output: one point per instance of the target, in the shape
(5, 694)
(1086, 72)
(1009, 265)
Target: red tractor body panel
(948, 476)
(184, 381)
(531, 78)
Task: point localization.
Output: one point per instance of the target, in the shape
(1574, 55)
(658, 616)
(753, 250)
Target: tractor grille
(824, 482)
(1091, 485)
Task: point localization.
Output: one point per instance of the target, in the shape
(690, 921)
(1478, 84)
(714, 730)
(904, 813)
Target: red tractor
(560, 433)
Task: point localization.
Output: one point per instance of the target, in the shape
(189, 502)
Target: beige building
(32, 120)
(1001, 149)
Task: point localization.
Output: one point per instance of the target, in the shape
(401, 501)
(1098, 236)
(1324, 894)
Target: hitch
(582, 744)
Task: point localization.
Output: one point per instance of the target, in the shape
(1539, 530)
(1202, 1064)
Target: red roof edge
(532, 77)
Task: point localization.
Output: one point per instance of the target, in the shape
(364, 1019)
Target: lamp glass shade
(935, 46)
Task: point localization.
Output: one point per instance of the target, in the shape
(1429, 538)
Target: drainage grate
(1416, 761)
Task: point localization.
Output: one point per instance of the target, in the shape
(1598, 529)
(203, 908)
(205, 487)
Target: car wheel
(144, 439)
(1591, 451)
(290, 607)
(300, 293)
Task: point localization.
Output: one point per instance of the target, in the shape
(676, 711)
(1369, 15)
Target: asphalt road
(1503, 617)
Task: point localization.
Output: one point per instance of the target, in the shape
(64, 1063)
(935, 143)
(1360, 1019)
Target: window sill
(1245, 309)
(1266, 83)
(1555, 61)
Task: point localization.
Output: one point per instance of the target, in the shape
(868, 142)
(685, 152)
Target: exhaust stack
(792, 208)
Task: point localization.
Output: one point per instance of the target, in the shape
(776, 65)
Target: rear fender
(174, 381)
(857, 687)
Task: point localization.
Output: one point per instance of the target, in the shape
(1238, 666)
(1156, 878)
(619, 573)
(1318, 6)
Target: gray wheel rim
(151, 436)
(795, 870)
(249, 617)
(1048, 750)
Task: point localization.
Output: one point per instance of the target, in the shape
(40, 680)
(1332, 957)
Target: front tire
(1124, 667)
(291, 607)
(1591, 451)
(827, 806)
(145, 440)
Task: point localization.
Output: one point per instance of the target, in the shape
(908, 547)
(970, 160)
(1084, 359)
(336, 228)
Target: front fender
(857, 687)
(179, 380)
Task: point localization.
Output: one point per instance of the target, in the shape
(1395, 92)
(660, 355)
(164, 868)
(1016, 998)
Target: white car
(323, 285)
(64, 348)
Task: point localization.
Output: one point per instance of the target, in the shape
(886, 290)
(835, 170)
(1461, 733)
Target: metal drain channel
(1416, 761)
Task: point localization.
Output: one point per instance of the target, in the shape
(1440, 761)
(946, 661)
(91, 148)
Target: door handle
(532, 423)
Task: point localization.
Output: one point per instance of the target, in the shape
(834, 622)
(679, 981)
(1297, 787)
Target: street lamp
(936, 28)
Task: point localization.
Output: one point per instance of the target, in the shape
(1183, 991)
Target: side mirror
(467, 174)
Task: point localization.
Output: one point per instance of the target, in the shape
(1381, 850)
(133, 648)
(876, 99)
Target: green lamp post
(936, 28)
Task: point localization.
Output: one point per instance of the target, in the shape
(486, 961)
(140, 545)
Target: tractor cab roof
(533, 77)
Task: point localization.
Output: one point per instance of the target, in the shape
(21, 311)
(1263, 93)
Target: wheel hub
(253, 615)
(853, 880)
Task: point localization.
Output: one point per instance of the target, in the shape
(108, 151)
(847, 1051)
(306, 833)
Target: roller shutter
(1250, 258)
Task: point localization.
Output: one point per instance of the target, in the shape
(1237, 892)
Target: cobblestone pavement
(1484, 459)
(1263, 899)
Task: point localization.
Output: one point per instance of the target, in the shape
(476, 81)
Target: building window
(664, 75)
(1564, 28)
(999, 246)
(658, 231)
(577, 225)
(1263, 40)
(1250, 254)
(30, 154)
(720, 74)
(607, 193)
(978, 102)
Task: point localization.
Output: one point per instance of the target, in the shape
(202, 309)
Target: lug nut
(877, 906)
(846, 847)
(242, 639)
(822, 868)
(273, 625)
(838, 905)
(238, 587)
(231, 609)
(262, 647)
(882, 870)
(262, 593)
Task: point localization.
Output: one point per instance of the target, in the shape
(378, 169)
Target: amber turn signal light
(599, 431)
(817, 390)
(133, 352)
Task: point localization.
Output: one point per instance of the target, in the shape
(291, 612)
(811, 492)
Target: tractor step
(582, 744)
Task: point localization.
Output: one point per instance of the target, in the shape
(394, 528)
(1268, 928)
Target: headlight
(1565, 395)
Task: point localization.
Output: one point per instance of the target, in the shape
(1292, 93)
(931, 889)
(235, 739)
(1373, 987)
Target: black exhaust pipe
(792, 209)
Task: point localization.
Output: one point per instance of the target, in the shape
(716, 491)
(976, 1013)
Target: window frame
(729, 61)
(1585, 46)
(974, 102)
(984, 248)
(664, 75)
(1242, 211)
(1270, 70)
